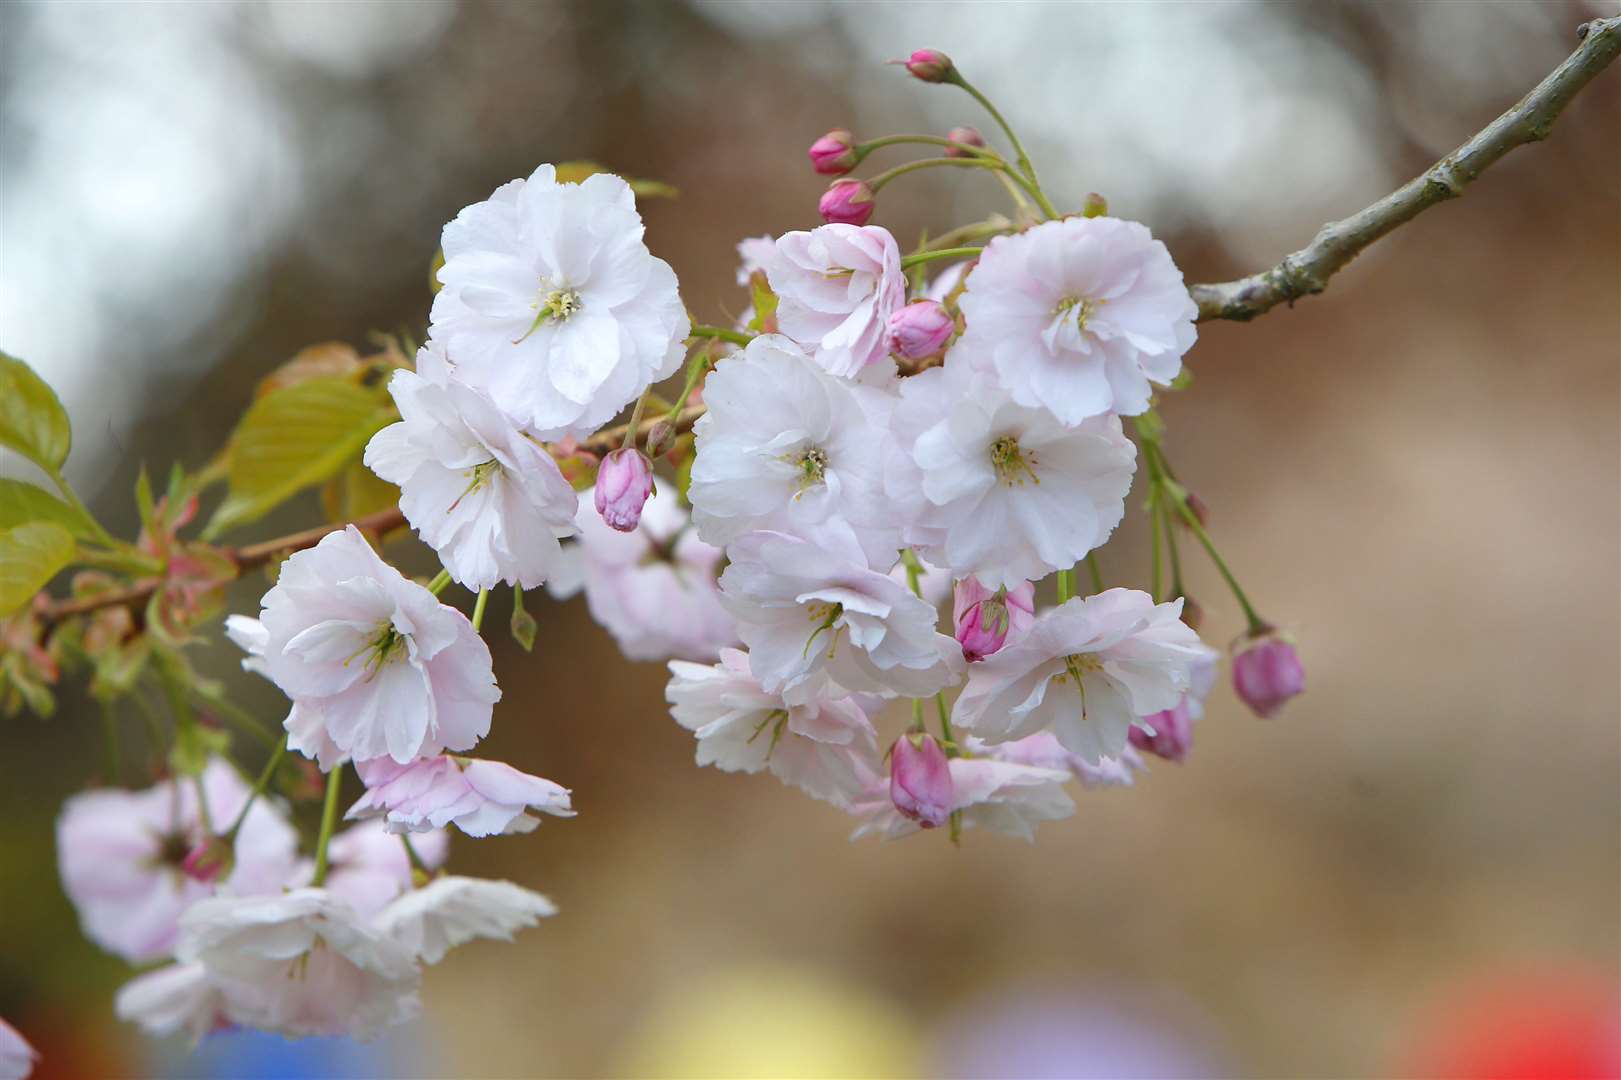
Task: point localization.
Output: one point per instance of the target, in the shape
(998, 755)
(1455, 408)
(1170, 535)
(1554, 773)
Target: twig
(1307, 271)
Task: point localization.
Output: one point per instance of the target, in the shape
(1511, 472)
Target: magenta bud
(986, 620)
(624, 482)
(1267, 673)
(209, 861)
(930, 65)
(834, 154)
(964, 136)
(920, 783)
(1173, 733)
(847, 202)
(1197, 507)
(920, 329)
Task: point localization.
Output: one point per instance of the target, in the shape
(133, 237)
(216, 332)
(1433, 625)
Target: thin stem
(1029, 170)
(736, 337)
(945, 720)
(329, 820)
(1179, 498)
(440, 580)
(909, 261)
(917, 714)
(696, 368)
(478, 608)
(259, 787)
(1156, 574)
(1096, 571)
(237, 717)
(633, 427)
(926, 140)
(417, 865)
(878, 182)
(204, 814)
(71, 497)
(1066, 585)
(995, 225)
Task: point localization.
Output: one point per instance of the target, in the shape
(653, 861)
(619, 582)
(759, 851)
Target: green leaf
(294, 438)
(30, 555)
(765, 304)
(32, 420)
(22, 502)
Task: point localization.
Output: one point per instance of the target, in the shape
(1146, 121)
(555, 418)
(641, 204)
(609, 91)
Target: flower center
(812, 465)
(1011, 463)
(1080, 664)
(386, 645)
(823, 614)
(555, 304)
(1082, 308)
(477, 477)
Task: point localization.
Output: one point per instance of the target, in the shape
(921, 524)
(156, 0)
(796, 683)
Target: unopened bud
(834, 154)
(920, 329)
(624, 483)
(1196, 507)
(1094, 205)
(847, 202)
(962, 137)
(660, 437)
(1267, 672)
(209, 861)
(1192, 613)
(920, 782)
(1173, 733)
(985, 621)
(930, 65)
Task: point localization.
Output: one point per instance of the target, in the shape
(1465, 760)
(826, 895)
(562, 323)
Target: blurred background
(1416, 472)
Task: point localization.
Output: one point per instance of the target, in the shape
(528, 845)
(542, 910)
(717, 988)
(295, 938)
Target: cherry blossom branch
(1306, 272)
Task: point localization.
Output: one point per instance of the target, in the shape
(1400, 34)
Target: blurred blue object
(255, 1055)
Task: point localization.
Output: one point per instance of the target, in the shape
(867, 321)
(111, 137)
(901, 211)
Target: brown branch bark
(1307, 271)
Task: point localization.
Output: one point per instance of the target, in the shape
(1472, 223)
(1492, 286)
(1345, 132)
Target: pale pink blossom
(624, 484)
(121, 853)
(373, 659)
(479, 797)
(1081, 316)
(997, 795)
(1267, 672)
(175, 997)
(450, 911)
(368, 867)
(920, 329)
(1043, 750)
(819, 745)
(920, 784)
(836, 288)
(17, 1058)
(1169, 733)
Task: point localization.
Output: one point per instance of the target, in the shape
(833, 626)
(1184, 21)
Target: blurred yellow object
(774, 1022)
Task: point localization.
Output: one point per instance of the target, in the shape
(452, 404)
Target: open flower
(787, 446)
(175, 997)
(552, 304)
(378, 663)
(477, 490)
(1169, 733)
(368, 867)
(818, 745)
(1088, 671)
(997, 490)
(1079, 316)
(837, 287)
(654, 589)
(302, 963)
(479, 797)
(1043, 750)
(121, 855)
(810, 609)
(989, 794)
(451, 911)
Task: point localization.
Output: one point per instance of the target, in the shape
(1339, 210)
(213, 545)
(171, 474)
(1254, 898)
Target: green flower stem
(1066, 585)
(633, 428)
(696, 368)
(909, 261)
(863, 149)
(329, 820)
(1156, 576)
(917, 715)
(877, 183)
(69, 496)
(440, 580)
(417, 865)
(995, 225)
(720, 333)
(945, 724)
(1177, 588)
(478, 608)
(259, 787)
(1095, 570)
(1032, 184)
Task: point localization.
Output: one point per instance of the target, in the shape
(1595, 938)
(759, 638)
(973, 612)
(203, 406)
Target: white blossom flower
(479, 797)
(175, 997)
(306, 728)
(120, 854)
(787, 447)
(810, 609)
(1088, 671)
(16, 1056)
(303, 963)
(994, 489)
(552, 304)
(654, 589)
(1079, 316)
(451, 911)
(477, 490)
(997, 795)
(818, 745)
(836, 288)
(1045, 751)
(376, 660)
(368, 867)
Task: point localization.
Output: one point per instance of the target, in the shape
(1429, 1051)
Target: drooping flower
(175, 997)
(384, 666)
(16, 1056)
(989, 794)
(1172, 729)
(624, 484)
(479, 797)
(836, 288)
(477, 490)
(1079, 316)
(1267, 672)
(121, 856)
(995, 489)
(810, 609)
(451, 911)
(1088, 671)
(367, 866)
(786, 446)
(1044, 751)
(920, 784)
(654, 589)
(818, 745)
(302, 963)
(552, 304)
(987, 619)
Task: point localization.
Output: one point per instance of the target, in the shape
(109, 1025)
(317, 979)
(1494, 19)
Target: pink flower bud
(964, 136)
(920, 329)
(834, 153)
(920, 780)
(1267, 673)
(987, 620)
(1173, 733)
(847, 202)
(930, 65)
(209, 861)
(624, 483)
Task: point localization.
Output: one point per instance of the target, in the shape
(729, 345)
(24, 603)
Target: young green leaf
(22, 502)
(32, 420)
(30, 555)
